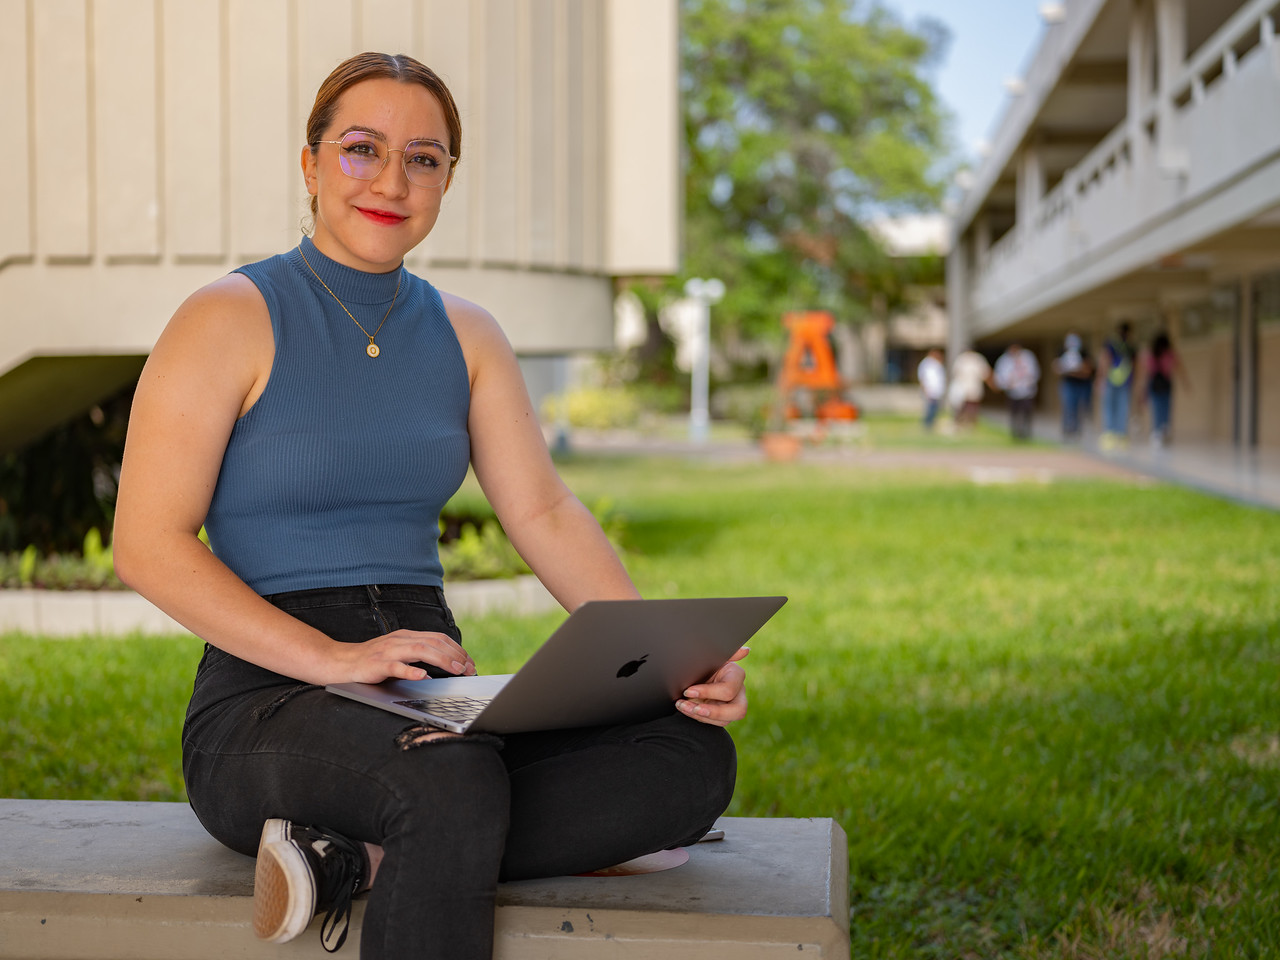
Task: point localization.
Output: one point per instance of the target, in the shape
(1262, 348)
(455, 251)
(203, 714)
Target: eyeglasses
(363, 156)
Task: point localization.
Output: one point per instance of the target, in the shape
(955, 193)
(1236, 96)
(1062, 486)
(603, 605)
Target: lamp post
(704, 293)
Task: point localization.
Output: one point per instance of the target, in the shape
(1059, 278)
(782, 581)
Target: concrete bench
(143, 881)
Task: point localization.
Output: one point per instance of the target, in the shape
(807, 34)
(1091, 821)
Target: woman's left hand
(722, 699)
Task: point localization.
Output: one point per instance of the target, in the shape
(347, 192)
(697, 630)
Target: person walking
(1075, 382)
(1161, 365)
(314, 411)
(1116, 375)
(1017, 373)
(932, 376)
(970, 375)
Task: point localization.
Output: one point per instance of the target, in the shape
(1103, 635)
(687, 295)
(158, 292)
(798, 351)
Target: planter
(780, 446)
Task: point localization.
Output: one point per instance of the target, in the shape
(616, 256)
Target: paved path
(1252, 477)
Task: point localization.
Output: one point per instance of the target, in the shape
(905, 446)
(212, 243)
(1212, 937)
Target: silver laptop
(611, 661)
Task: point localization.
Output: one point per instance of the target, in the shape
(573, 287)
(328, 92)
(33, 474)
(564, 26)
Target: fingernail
(457, 667)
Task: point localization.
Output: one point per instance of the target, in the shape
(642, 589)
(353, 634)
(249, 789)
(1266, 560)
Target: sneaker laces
(338, 865)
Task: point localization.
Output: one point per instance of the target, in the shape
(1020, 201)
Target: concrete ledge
(68, 613)
(143, 881)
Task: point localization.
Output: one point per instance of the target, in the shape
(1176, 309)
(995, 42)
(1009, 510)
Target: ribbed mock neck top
(337, 474)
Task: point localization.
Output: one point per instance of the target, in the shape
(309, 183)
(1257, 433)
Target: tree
(804, 120)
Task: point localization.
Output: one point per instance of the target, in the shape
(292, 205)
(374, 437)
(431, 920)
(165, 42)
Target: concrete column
(1247, 357)
(1141, 76)
(958, 298)
(1030, 187)
(1171, 44)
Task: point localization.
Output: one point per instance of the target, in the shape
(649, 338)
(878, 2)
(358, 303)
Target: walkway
(1251, 478)
(1222, 470)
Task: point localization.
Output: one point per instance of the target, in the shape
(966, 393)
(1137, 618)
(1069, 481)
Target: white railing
(1251, 27)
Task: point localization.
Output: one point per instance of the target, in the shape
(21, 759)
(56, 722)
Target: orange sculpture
(809, 363)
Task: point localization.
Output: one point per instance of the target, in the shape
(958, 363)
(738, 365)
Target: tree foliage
(803, 121)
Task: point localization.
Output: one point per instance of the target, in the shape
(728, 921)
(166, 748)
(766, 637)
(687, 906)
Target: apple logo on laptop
(631, 666)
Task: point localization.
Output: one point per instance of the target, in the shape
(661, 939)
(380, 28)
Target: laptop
(611, 661)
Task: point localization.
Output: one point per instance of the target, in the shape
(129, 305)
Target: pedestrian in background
(1075, 371)
(1017, 373)
(970, 373)
(1116, 375)
(932, 376)
(1161, 365)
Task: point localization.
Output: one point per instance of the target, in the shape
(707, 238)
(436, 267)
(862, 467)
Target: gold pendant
(372, 349)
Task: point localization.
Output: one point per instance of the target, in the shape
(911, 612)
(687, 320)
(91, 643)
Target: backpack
(1121, 362)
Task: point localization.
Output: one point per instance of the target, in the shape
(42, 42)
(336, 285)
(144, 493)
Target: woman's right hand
(393, 655)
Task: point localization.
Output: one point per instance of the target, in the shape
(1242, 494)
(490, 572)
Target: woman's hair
(1160, 345)
(379, 66)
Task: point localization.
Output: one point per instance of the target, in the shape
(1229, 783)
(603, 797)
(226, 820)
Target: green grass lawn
(1047, 716)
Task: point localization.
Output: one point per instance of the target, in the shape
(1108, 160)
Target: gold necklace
(372, 349)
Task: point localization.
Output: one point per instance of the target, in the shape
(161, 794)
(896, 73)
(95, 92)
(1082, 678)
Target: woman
(1161, 365)
(314, 411)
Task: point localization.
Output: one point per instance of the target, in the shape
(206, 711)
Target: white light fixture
(1052, 12)
(1015, 86)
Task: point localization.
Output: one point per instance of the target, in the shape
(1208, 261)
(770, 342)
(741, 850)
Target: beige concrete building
(1136, 176)
(153, 145)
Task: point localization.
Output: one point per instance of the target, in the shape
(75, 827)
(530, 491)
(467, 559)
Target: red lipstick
(382, 216)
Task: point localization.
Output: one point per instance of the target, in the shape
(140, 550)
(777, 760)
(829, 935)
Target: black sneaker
(301, 871)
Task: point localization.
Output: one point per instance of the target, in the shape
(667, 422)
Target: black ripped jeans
(454, 816)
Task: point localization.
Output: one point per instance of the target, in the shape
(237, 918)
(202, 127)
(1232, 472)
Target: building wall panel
(194, 154)
(389, 26)
(61, 51)
(575, 130)
(126, 129)
(446, 43)
(591, 145)
(16, 184)
(642, 191)
(264, 146)
(1210, 416)
(326, 33)
(545, 117)
(1269, 386)
(497, 125)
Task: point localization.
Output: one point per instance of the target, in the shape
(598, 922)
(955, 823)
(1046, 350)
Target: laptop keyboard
(458, 709)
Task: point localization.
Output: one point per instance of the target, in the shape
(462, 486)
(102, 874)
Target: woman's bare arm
(555, 534)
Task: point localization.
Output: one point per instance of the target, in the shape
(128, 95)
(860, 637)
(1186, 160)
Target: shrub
(595, 408)
(91, 570)
(473, 546)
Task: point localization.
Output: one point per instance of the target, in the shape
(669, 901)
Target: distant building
(154, 146)
(1135, 177)
(920, 322)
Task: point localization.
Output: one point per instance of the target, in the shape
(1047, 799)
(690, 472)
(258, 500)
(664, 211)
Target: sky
(991, 40)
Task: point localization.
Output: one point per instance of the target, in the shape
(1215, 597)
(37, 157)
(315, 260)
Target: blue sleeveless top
(337, 474)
